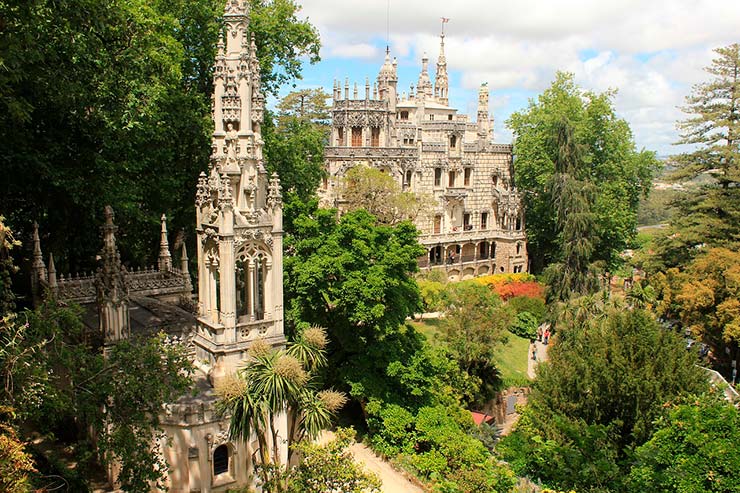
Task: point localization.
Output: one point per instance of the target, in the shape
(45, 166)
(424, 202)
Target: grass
(511, 358)
(428, 327)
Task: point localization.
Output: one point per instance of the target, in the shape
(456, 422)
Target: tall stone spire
(238, 212)
(484, 120)
(424, 86)
(110, 284)
(388, 81)
(165, 259)
(38, 268)
(441, 82)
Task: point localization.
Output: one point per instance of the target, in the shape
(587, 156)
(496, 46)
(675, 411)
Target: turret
(484, 122)
(424, 86)
(388, 81)
(441, 82)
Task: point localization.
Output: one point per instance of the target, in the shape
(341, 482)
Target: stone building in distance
(476, 226)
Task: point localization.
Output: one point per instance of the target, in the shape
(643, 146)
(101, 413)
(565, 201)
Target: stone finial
(165, 259)
(367, 88)
(202, 193)
(52, 272)
(346, 88)
(354, 94)
(274, 195)
(39, 268)
(225, 199)
(184, 259)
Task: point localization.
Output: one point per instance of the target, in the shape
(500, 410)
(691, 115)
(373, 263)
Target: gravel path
(393, 481)
(541, 356)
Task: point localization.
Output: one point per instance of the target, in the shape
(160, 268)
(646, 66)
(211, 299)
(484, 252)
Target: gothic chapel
(240, 276)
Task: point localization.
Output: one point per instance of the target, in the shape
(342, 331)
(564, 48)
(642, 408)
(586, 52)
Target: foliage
(58, 379)
(109, 103)
(306, 105)
(354, 276)
(272, 382)
(525, 325)
(380, 194)
(609, 160)
(474, 326)
(331, 467)
(535, 306)
(610, 372)
(294, 148)
(574, 273)
(704, 297)
(715, 121)
(692, 450)
(7, 243)
(431, 294)
(508, 286)
(15, 463)
(437, 444)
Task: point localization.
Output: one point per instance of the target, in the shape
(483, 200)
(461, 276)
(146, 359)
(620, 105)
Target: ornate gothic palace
(477, 223)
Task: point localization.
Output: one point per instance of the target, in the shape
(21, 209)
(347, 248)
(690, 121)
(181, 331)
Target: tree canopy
(609, 159)
(380, 194)
(109, 103)
(610, 373)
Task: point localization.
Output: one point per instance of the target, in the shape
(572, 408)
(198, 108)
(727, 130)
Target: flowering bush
(512, 285)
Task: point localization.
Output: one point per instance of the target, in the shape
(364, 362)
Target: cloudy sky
(651, 51)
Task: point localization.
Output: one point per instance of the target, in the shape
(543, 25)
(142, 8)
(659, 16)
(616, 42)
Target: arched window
(453, 142)
(518, 248)
(220, 460)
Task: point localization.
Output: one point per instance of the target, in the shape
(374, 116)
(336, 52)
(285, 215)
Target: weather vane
(445, 20)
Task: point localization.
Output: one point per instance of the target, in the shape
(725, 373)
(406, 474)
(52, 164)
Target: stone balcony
(471, 235)
(370, 152)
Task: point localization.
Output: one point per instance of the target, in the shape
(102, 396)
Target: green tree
(715, 124)
(573, 274)
(353, 276)
(331, 467)
(306, 105)
(295, 138)
(380, 194)
(609, 374)
(108, 102)
(525, 325)
(710, 215)
(609, 160)
(694, 449)
(474, 327)
(59, 381)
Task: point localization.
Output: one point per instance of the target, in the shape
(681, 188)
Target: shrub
(525, 325)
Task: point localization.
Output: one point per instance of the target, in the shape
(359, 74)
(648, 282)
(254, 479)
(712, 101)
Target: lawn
(511, 359)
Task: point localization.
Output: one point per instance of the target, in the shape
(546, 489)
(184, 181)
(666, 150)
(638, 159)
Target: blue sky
(650, 51)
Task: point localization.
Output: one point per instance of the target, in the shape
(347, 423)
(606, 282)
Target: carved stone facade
(240, 276)
(477, 224)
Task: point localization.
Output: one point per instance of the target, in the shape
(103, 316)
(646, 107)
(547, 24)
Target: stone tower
(441, 87)
(238, 213)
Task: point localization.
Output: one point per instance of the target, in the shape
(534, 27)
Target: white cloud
(651, 51)
(358, 50)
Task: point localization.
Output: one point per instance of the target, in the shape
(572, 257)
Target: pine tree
(710, 217)
(715, 126)
(572, 199)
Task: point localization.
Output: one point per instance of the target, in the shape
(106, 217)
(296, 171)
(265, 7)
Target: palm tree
(277, 381)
